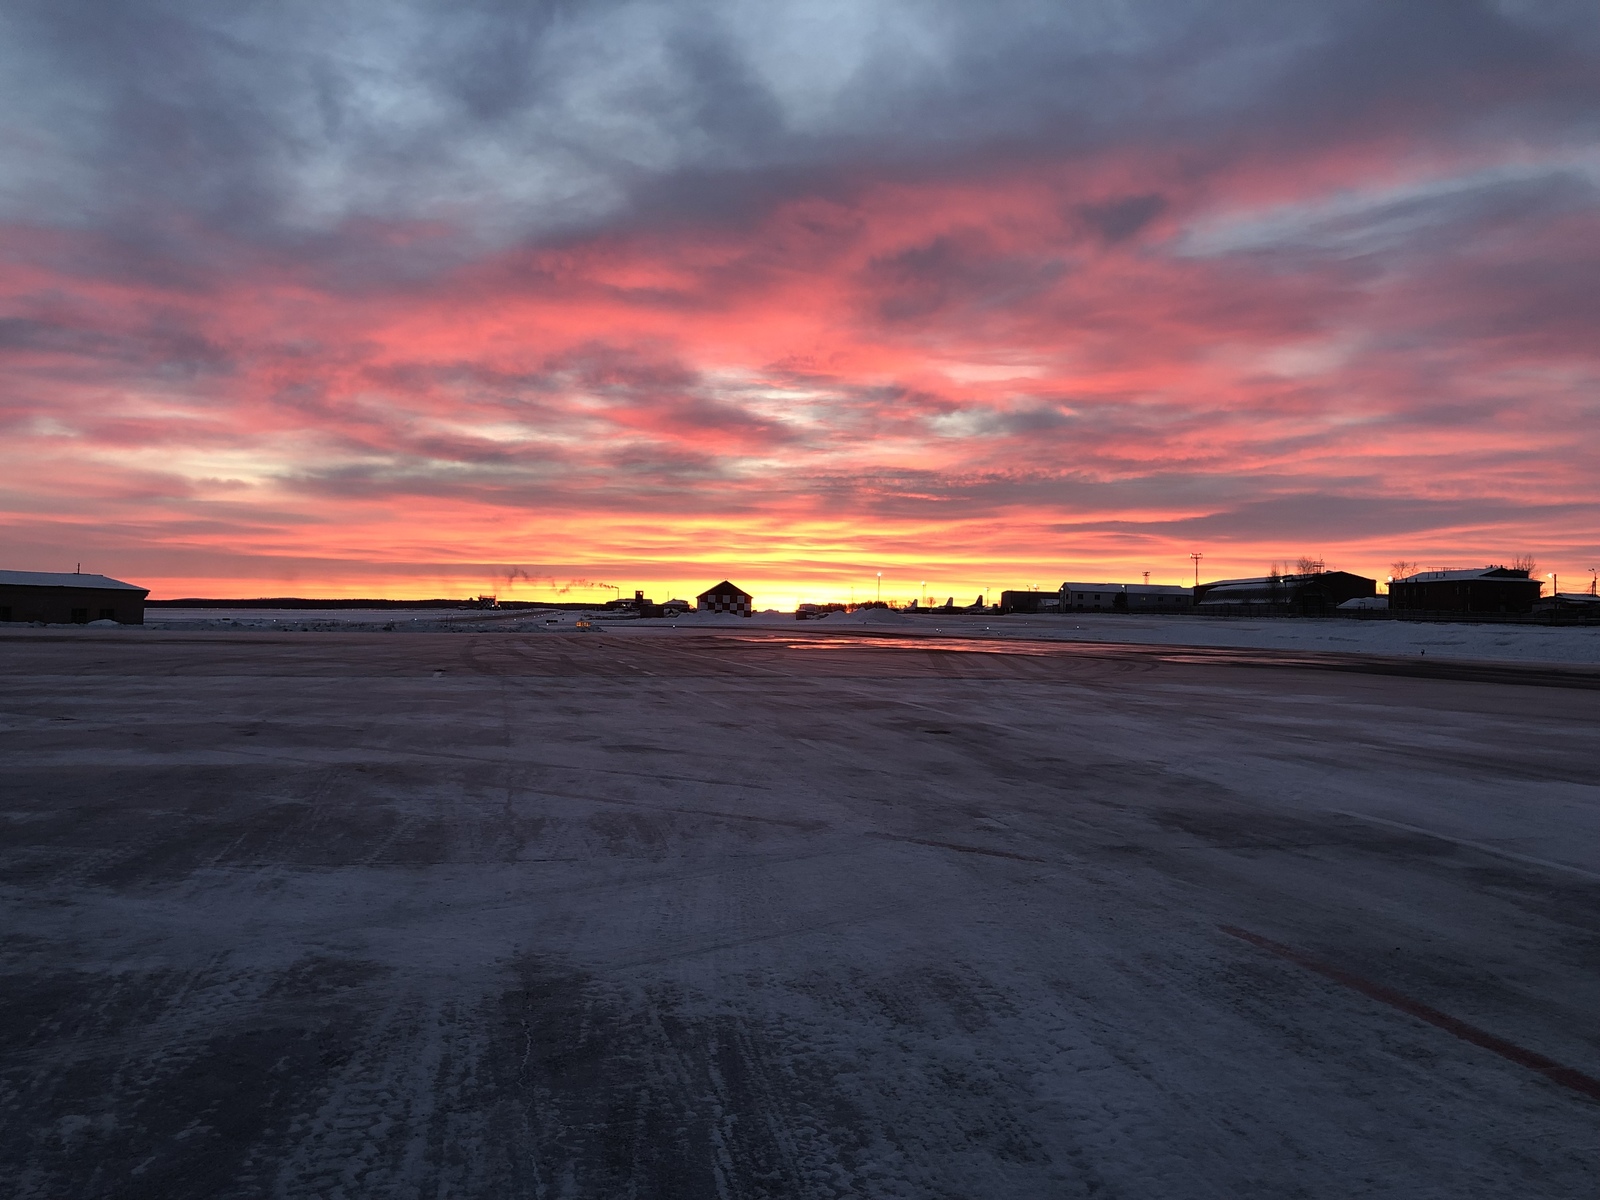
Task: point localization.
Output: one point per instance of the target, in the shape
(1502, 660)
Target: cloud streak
(338, 297)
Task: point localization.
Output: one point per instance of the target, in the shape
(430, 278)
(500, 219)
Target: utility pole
(880, 585)
(1197, 558)
(1147, 579)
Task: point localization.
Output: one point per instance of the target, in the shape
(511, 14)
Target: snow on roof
(723, 588)
(1501, 573)
(64, 579)
(1143, 589)
(1287, 578)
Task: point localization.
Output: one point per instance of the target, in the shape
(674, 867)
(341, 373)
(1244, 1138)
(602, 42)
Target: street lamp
(1555, 584)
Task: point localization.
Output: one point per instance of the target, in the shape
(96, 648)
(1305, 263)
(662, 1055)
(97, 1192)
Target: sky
(548, 300)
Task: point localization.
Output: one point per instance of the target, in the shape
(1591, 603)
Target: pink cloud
(1027, 371)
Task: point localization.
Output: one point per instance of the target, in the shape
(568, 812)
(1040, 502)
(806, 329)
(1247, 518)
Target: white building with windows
(1125, 597)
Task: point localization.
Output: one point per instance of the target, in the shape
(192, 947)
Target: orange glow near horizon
(954, 382)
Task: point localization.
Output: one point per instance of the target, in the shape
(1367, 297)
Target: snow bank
(870, 616)
(1524, 643)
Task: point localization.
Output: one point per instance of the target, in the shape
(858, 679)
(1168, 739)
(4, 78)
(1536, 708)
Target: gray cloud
(1119, 219)
(961, 270)
(284, 123)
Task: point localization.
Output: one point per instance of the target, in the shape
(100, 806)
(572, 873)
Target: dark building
(1030, 602)
(1584, 606)
(1125, 597)
(1313, 595)
(639, 606)
(1487, 590)
(63, 599)
(724, 598)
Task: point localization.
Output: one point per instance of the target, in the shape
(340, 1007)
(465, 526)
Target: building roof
(723, 588)
(1287, 579)
(1140, 589)
(1498, 574)
(65, 579)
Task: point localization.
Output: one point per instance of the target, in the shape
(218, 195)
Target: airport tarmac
(784, 914)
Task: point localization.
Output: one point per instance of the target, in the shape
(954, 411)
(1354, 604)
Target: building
(1311, 595)
(63, 599)
(724, 598)
(1125, 597)
(1581, 606)
(1486, 590)
(639, 606)
(1030, 602)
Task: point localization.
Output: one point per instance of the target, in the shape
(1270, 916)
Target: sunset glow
(663, 295)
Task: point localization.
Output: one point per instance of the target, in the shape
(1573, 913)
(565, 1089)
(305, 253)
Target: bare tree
(1401, 567)
(1524, 562)
(1308, 565)
(1275, 570)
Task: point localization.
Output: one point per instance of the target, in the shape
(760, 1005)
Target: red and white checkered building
(723, 597)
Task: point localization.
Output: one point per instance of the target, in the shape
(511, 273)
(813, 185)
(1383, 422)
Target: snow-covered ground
(423, 620)
(669, 914)
(403, 620)
(1526, 643)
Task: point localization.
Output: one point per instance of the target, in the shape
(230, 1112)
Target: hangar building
(69, 599)
(1125, 597)
(723, 597)
(1018, 601)
(1313, 595)
(1488, 590)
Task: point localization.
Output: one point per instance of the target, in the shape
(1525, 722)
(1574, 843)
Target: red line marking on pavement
(1567, 1077)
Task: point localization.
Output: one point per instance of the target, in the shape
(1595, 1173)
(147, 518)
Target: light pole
(1555, 584)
